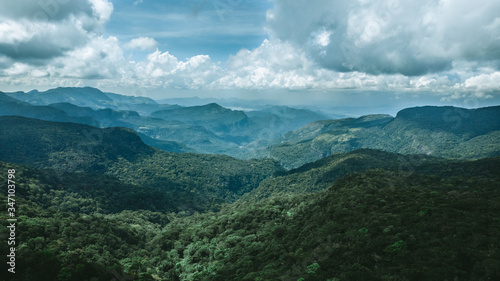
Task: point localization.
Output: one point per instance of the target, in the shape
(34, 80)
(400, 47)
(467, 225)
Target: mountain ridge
(101, 202)
(441, 131)
(195, 182)
(12, 107)
(277, 132)
(208, 128)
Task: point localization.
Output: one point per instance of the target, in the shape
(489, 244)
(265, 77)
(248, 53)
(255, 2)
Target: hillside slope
(423, 227)
(208, 128)
(437, 223)
(323, 173)
(439, 131)
(13, 107)
(196, 182)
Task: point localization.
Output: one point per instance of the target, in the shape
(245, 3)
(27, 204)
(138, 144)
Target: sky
(382, 55)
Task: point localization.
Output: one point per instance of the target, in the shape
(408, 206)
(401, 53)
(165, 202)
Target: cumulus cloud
(431, 45)
(483, 81)
(34, 32)
(392, 36)
(165, 70)
(103, 9)
(101, 62)
(59, 42)
(100, 58)
(276, 64)
(142, 43)
(273, 64)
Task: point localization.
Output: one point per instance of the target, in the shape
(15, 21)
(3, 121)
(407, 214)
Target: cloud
(488, 81)
(46, 10)
(99, 59)
(429, 46)
(279, 65)
(392, 36)
(34, 32)
(142, 43)
(165, 70)
(33, 42)
(102, 10)
(274, 64)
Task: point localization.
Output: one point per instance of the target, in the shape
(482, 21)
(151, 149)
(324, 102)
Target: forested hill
(437, 222)
(13, 107)
(67, 146)
(85, 96)
(468, 123)
(439, 131)
(194, 182)
(375, 225)
(323, 173)
(208, 128)
(99, 204)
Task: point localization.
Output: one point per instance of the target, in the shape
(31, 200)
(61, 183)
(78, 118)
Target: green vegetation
(190, 182)
(100, 204)
(323, 173)
(439, 131)
(211, 116)
(11, 106)
(86, 193)
(197, 182)
(210, 128)
(364, 227)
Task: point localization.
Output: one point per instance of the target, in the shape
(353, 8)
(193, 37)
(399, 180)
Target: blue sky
(193, 27)
(353, 53)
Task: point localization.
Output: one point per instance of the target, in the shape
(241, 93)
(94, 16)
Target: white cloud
(322, 38)
(17, 68)
(165, 70)
(488, 81)
(35, 32)
(12, 32)
(277, 64)
(432, 46)
(143, 43)
(273, 64)
(392, 36)
(100, 58)
(102, 9)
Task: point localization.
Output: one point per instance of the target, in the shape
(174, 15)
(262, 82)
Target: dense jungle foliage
(440, 222)
(190, 182)
(99, 204)
(446, 131)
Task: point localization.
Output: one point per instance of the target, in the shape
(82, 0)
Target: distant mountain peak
(213, 105)
(77, 88)
(84, 97)
(32, 92)
(428, 110)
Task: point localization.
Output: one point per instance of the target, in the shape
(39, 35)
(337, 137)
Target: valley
(232, 140)
(111, 185)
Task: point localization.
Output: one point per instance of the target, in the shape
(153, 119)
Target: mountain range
(292, 136)
(439, 131)
(208, 128)
(120, 152)
(133, 212)
(105, 191)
